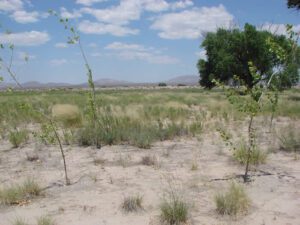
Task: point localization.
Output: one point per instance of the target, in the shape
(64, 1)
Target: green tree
(230, 51)
(294, 4)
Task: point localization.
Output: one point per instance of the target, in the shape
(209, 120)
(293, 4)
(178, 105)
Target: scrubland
(167, 156)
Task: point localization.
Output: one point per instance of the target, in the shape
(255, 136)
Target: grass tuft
(45, 220)
(132, 203)
(19, 221)
(289, 140)
(18, 137)
(18, 194)
(233, 202)
(257, 156)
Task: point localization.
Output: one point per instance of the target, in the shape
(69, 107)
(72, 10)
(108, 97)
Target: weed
(132, 203)
(18, 194)
(233, 202)
(18, 137)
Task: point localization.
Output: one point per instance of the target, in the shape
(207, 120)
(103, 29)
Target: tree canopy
(230, 51)
(294, 4)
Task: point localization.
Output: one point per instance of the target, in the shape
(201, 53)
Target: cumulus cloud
(119, 16)
(139, 52)
(61, 45)
(22, 16)
(64, 13)
(17, 12)
(10, 5)
(279, 29)
(89, 2)
(192, 24)
(102, 28)
(30, 38)
(58, 62)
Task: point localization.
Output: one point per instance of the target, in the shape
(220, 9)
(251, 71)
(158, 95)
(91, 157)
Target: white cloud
(102, 28)
(10, 5)
(279, 29)
(192, 24)
(155, 5)
(64, 13)
(61, 45)
(22, 16)
(181, 4)
(122, 46)
(88, 2)
(58, 62)
(122, 14)
(139, 52)
(30, 38)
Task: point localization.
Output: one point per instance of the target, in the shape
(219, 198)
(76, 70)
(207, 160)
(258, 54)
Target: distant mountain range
(183, 80)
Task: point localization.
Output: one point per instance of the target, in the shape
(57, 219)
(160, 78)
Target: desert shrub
(289, 140)
(16, 194)
(18, 137)
(174, 211)
(132, 203)
(257, 156)
(234, 201)
(45, 220)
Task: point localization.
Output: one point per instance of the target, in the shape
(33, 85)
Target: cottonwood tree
(230, 51)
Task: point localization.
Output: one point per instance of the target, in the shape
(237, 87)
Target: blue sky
(133, 40)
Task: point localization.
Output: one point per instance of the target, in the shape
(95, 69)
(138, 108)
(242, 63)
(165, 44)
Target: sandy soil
(98, 189)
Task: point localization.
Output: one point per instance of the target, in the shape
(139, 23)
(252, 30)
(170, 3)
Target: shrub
(19, 193)
(132, 203)
(234, 201)
(18, 137)
(257, 156)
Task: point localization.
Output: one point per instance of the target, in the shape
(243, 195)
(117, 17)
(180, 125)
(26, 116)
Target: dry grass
(232, 202)
(68, 114)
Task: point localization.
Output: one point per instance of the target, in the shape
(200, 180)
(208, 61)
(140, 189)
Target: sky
(131, 40)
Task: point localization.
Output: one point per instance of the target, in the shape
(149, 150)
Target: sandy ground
(97, 190)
